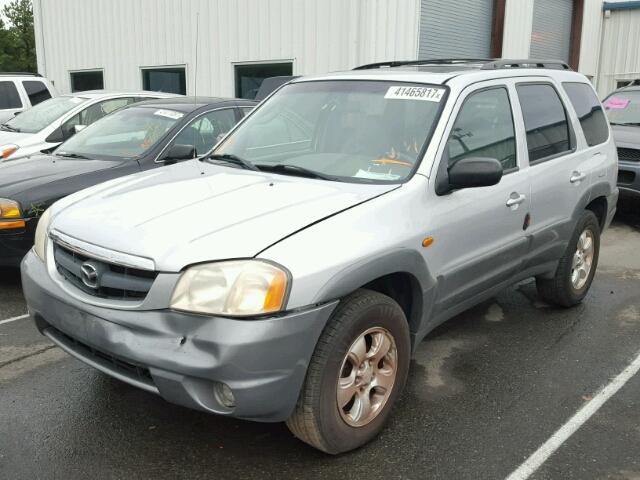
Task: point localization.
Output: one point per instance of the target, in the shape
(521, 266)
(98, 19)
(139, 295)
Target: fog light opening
(224, 395)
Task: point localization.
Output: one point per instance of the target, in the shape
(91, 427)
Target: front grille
(112, 281)
(109, 361)
(629, 154)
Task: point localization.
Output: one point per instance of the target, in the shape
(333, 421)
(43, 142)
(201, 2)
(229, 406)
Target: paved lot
(486, 390)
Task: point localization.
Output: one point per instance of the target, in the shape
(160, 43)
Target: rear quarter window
(36, 91)
(545, 120)
(592, 118)
(9, 97)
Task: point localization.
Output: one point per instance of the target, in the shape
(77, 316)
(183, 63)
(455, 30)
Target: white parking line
(13, 319)
(541, 455)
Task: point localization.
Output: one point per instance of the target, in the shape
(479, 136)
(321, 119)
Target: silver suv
(290, 274)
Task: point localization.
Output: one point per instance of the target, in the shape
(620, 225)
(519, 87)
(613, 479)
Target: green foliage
(17, 38)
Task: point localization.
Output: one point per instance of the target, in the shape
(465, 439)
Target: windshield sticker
(169, 114)
(376, 175)
(428, 94)
(615, 102)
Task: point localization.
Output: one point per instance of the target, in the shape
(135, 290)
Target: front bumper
(181, 356)
(15, 244)
(629, 177)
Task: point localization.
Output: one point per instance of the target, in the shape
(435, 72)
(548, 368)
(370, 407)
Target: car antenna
(195, 81)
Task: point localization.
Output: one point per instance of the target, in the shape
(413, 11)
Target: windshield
(44, 114)
(623, 107)
(356, 131)
(124, 134)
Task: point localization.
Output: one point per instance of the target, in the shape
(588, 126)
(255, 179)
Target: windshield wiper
(230, 158)
(72, 155)
(9, 128)
(289, 169)
(633, 124)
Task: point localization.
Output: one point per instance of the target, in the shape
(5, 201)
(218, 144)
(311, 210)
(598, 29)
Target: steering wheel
(401, 159)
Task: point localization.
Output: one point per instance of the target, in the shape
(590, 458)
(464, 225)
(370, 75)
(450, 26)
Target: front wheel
(577, 266)
(355, 376)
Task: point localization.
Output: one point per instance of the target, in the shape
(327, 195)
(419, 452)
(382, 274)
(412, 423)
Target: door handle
(516, 199)
(577, 177)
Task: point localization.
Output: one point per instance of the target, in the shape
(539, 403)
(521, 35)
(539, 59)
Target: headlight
(233, 288)
(10, 215)
(7, 150)
(42, 232)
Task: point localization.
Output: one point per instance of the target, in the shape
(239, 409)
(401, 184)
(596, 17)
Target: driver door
(481, 230)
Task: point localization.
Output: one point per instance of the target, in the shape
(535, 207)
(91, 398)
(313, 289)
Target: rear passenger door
(557, 167)
(482, 229)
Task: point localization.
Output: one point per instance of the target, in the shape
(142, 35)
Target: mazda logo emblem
(89, 275)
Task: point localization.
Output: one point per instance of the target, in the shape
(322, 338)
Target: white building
(153, 44)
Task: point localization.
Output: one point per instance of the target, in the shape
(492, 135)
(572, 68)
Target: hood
(196, 212)
(626, 136)
(16, 138)
(32, 172)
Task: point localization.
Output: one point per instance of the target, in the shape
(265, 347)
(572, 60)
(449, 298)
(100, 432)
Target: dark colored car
(623, 110)
(137, 138)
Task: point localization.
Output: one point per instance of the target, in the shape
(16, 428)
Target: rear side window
(37, 91)
(545, 121)
(484, 128)
(589, 111)
(9, 97)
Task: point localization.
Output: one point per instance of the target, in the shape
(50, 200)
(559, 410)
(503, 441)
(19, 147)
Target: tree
(17, 38)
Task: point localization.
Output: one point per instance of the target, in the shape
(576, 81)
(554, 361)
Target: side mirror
(79, 128)
(179, 152)
(471, 172)
(57, 136)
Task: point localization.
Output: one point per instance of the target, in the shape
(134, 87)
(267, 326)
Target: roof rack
(526, 63)
(26, 74)
(430, 61)
(485, 63)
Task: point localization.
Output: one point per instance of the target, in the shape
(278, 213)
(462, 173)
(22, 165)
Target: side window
(246, 111)
(592, 118)
(94, 113)
(545, 121)
(205, 131)
(484, 128)
(37, 91)
(9, 96)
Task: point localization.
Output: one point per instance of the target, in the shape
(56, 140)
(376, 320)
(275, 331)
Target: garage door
(455, 29)
(551, 30)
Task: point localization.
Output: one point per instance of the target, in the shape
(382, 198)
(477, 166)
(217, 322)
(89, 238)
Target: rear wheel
(577, 267)
(356, 374)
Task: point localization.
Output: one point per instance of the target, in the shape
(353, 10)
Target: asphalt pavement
(486, 390)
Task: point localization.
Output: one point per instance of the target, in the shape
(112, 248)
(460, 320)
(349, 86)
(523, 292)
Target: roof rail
(526, 63)
(486, 63)
(26, 74)
(429, 61)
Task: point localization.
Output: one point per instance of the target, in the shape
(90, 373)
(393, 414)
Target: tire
(561, 289)
(317, 418)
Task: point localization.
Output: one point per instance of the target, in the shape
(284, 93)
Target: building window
(165, 79)
(87, 80)
(249, 77)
